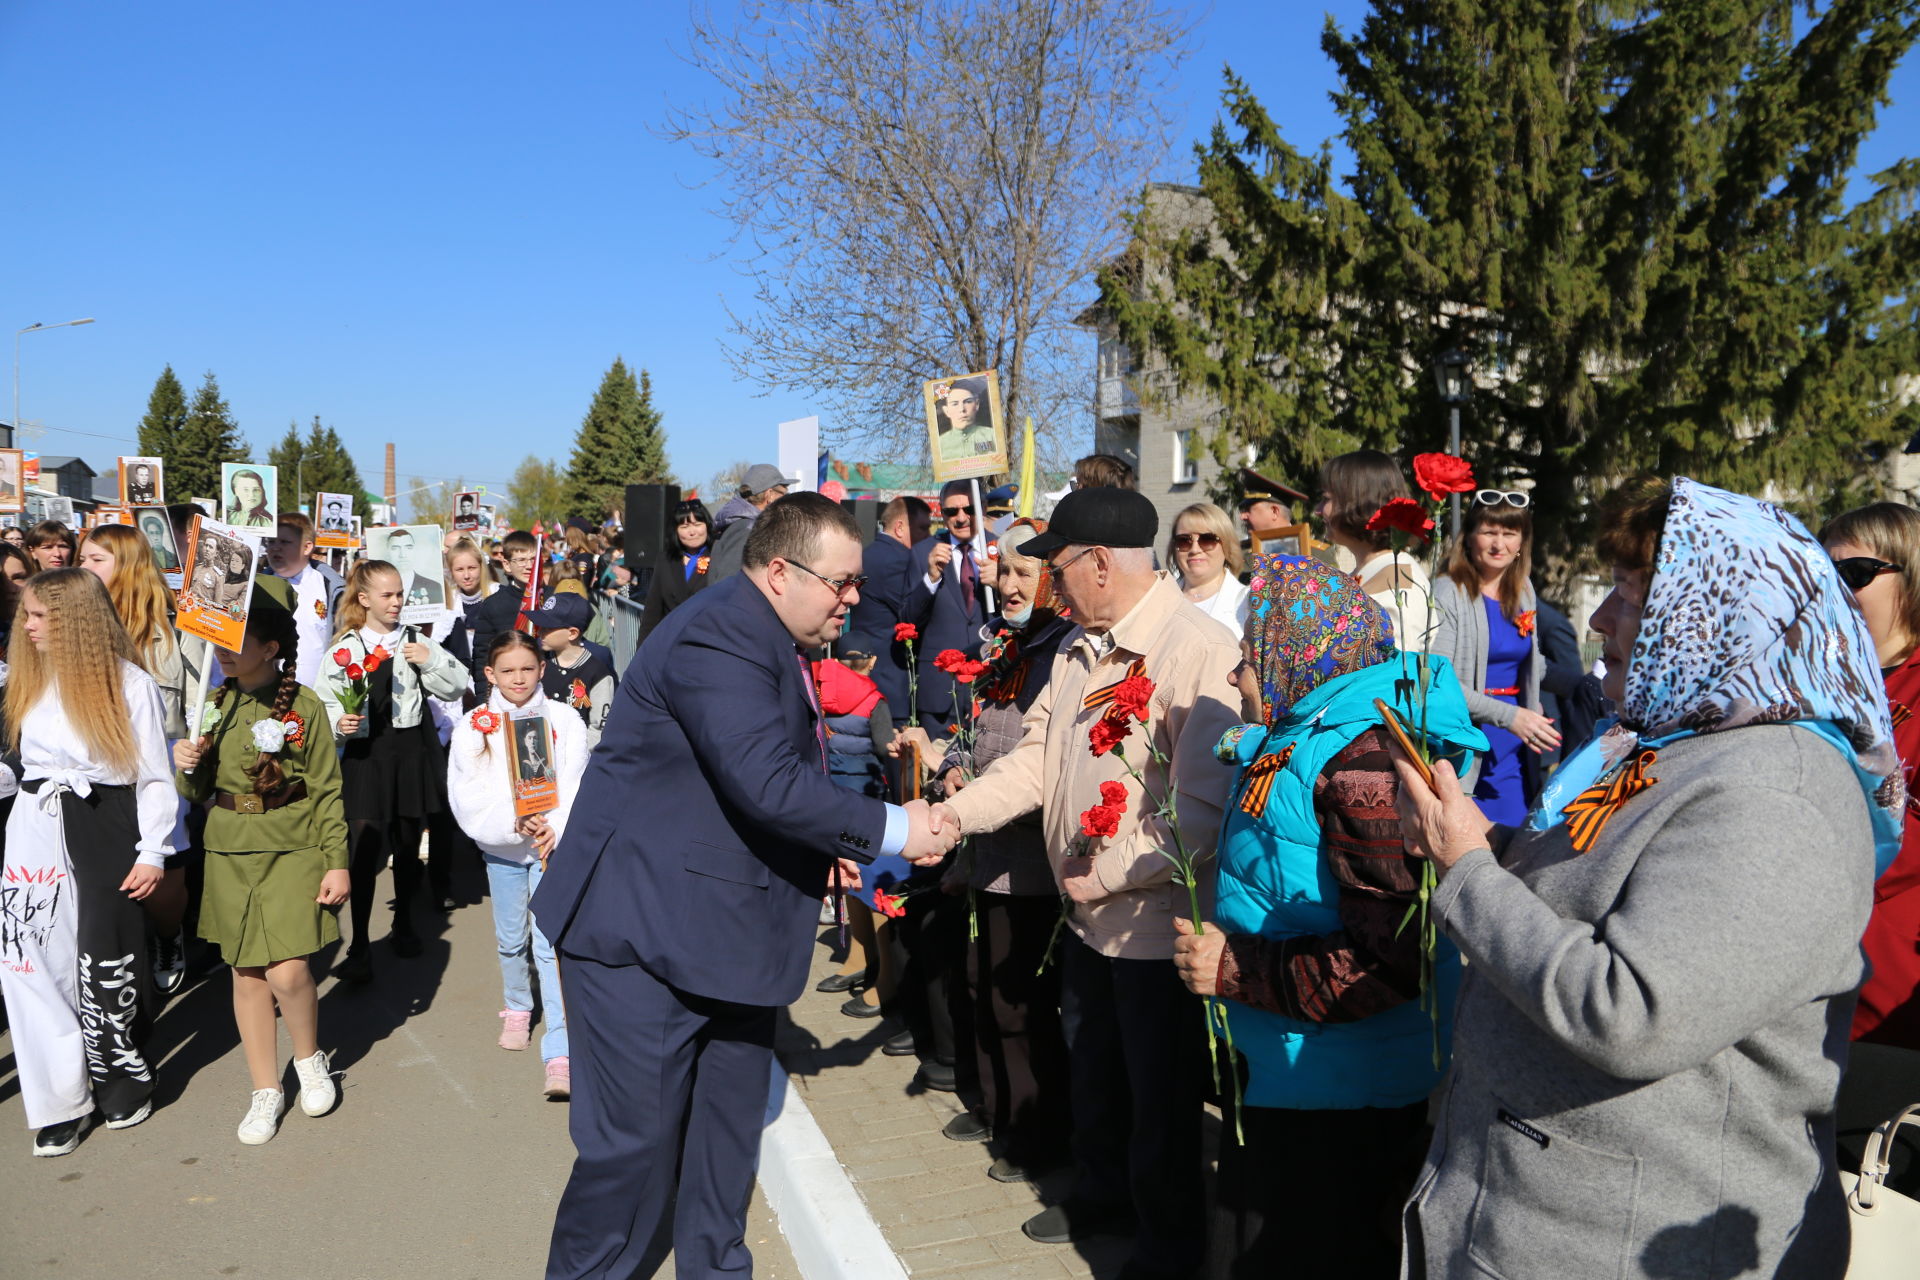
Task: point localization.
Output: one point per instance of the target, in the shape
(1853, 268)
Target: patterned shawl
(1309, 623)
(1747, 622)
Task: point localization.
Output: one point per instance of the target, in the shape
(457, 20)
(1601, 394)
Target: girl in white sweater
(515, 849)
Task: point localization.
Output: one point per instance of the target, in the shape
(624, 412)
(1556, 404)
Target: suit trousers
(669, 1098)
(1136, 1046)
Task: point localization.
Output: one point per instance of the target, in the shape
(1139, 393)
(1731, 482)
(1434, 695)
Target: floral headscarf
(1747, 622)
(1309, 623)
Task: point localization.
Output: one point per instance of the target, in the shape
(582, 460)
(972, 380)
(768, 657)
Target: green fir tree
(165, 419)
(619, 443)
(1633, 218)
(207, 438)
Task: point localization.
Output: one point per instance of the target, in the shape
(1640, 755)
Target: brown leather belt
(248, 802)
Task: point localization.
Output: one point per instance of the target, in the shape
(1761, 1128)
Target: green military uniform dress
(263, 869)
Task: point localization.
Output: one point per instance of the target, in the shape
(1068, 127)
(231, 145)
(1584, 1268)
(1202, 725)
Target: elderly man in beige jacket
(1134, 1033)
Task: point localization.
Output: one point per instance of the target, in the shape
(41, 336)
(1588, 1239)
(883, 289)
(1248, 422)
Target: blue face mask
(1019, 619)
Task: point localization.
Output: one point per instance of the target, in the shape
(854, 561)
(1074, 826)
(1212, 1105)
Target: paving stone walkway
(930, 1195)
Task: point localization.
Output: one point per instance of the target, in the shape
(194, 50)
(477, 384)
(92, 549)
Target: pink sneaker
(514, 1024)
(559, 1079)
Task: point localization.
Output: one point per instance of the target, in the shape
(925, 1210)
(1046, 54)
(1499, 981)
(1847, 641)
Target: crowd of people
(1104, 823)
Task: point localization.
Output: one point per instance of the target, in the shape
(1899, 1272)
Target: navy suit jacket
(882, 606)
(945, 623)
(700, 841)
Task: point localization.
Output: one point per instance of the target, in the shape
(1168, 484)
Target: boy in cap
(574, 676)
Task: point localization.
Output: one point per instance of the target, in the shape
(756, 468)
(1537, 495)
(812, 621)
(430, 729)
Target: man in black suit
(903, 522)
(946, 598)
(705, 828)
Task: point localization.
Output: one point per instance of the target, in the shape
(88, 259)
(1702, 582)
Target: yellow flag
(1027, 486)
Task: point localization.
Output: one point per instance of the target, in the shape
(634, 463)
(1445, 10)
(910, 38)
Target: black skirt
(392, 773)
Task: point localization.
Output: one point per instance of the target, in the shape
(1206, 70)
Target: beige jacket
(1188, 658)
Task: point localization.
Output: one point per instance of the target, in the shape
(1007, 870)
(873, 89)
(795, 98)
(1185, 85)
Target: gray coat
(1650, 1035)
(1460, 633)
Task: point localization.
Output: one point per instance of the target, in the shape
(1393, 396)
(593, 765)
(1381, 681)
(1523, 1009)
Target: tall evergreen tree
(166, 417)
(1632, 217)
(288, 456)
(648, 440)
(330, 468)
(207, 438)
(605, 449)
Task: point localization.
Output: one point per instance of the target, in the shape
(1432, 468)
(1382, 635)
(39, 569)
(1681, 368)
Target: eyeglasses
(1186, 541)
(1057, 569)
(951, 512)
(840, 585)
(1518, 498)
(1858, 571)
(684, 521)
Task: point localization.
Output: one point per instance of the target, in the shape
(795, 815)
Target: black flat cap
(1097, 518)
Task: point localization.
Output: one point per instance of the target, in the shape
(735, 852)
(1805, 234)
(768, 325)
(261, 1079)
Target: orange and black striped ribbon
(1101, 697)
(1259, 782)
(1901, 712)
(1593, 808)
(1010, 682)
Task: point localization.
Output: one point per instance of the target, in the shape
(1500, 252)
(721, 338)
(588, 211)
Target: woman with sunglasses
(1877, 551)
(1352, 487)
(675, 583)
(1206, 563)
(1486, 629)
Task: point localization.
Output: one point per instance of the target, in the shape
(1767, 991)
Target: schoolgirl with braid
(276, 847)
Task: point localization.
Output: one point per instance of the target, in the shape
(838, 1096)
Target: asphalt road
(443, 1158)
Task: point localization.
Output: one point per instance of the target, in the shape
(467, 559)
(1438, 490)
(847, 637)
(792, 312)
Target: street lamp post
(18, 333)
(1450, 378)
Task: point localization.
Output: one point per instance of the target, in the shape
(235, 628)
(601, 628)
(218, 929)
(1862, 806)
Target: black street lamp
(1452, 380)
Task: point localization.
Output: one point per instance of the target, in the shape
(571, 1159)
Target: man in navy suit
(946, 598)
(903, 522)
(684, 897)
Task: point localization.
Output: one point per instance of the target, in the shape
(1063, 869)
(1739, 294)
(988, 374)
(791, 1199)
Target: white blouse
(1226, 606)
(1407, 605)
(51, 748)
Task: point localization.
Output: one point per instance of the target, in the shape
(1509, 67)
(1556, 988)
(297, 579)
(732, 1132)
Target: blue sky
(430, 224)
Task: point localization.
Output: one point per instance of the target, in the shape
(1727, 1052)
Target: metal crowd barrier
(623, 619)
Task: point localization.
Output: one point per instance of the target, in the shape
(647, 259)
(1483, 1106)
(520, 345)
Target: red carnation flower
(1442, 475)
(968, 672)
(1107, 733)
(1130, 698)
(355, 671)
(1404, 514)
(342, 656)
(1524, 623)
(1114, 794)
(888, 905)
(1101, 820)
(905, 631)
(949, 660)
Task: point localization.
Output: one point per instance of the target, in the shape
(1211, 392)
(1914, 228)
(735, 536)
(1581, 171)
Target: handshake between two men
(932, 833)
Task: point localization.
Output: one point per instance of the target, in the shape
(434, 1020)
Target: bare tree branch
(923, 187)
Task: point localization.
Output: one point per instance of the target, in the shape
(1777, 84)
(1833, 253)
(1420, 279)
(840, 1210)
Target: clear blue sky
(434, 225)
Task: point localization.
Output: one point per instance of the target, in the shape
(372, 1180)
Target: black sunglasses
(951, 512)
(1858, 571)
(1184, 541)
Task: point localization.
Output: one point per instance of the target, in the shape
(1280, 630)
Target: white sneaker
(263, 1117)
(317, 1091)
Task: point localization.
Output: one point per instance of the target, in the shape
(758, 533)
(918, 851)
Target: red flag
(531, 600)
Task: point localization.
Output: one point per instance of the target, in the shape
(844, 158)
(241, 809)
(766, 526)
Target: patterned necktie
(813, 701)
(969, 575)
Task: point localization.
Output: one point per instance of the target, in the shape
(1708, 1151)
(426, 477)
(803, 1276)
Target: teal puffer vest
(1274, 881)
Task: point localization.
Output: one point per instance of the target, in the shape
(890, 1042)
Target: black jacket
(672, 588)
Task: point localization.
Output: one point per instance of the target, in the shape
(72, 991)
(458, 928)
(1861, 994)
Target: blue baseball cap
(562, 609)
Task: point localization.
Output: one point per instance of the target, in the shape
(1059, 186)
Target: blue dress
(1502, 788)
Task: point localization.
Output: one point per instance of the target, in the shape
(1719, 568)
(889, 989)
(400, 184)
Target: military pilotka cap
(1097, 518)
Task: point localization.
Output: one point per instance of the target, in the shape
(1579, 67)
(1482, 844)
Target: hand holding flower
(1443, 825)
(1079, 881)
(1196, 956)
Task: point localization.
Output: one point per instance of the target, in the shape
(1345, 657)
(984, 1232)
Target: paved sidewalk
(930, 1195)
(441, 1162)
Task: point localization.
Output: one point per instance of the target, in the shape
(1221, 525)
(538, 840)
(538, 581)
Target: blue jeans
(511, 885)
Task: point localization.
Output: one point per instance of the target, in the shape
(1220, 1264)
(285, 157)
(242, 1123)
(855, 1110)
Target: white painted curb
(824, 1219)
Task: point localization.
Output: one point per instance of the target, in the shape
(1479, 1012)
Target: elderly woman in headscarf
(1322, 981)
(1011, 996)
(1662, 964)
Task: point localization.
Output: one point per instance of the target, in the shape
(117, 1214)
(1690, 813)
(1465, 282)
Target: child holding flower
(276, 845)
(393, 772)
(516, 849)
